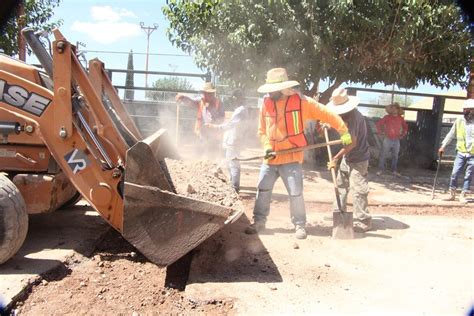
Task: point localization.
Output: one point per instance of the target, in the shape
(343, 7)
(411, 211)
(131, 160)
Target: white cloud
(107, 32)
(107, 13)
(107, 26)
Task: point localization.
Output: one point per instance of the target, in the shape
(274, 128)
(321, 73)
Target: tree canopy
(402, 42)
(171, 83)
(37, 15)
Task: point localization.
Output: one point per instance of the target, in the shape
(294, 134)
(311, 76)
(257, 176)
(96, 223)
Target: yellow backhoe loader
(64, 133)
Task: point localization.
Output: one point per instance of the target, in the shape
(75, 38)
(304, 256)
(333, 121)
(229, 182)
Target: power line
(119, 52)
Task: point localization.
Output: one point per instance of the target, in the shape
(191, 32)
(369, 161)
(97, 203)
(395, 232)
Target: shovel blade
(343, 225)
(161, 224)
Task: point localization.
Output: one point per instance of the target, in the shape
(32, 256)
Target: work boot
(255, 228)
(452, 195)
(363, 226)
(300, 232)
(462, 197)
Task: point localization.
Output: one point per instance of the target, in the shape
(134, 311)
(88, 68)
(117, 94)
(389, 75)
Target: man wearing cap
(463, 128)
(353, 170)
(281, 126)
(209, 111)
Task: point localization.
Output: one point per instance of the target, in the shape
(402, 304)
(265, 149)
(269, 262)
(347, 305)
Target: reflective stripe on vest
(461, 137)
(293, 120)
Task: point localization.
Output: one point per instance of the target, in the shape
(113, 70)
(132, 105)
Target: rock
(44, 282)
(133, 254)
(273, 288)
(327, 265)
(82, 284)
(296, 246)
(101, 263)
(190, 189)
(135, 314)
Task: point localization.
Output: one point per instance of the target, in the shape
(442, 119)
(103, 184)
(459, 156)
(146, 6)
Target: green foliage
(402, 42)
(37, 16)
(168, 84)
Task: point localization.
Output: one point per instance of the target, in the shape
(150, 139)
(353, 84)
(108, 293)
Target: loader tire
(72, 201)
(13, 219)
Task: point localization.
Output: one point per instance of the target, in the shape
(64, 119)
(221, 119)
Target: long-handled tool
(343, 222)
(436, 175)
(292, 150)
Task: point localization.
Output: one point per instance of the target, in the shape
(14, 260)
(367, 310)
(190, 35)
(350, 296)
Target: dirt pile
(115, 280)
(203, 180)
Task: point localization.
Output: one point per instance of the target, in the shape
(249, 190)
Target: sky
(114, 26)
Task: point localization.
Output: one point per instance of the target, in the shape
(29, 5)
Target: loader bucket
(162, 225)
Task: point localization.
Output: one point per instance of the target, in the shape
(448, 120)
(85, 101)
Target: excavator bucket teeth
(161, 224)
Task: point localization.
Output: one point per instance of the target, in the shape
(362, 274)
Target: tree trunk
(470, 87)
(326, 95)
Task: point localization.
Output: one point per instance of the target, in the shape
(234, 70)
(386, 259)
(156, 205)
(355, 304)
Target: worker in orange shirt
(281, 126)
(209, 111)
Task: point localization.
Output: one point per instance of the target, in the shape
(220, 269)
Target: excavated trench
(202, 180)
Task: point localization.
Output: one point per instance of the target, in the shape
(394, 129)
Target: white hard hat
(468, 104)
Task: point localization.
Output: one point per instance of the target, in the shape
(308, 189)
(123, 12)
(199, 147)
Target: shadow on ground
(324, 229)
(232, 256)
(68, 229)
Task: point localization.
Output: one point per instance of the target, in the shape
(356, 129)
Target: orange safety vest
(293, 123)
(199, 119)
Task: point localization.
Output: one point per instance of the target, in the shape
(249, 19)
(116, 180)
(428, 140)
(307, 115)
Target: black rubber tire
(72, 201)
(13, 219)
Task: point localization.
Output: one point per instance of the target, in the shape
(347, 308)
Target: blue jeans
(233, 167)
(393, 146)
(461, 161)
(292, 176)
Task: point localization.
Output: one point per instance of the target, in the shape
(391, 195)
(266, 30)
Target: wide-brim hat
(468, 104)
(395, 105)
(208, 87)
(277, 80)
(341, 102)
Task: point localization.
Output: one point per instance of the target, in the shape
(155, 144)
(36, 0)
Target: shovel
(343, 222)
(292, 150)
(436, 175)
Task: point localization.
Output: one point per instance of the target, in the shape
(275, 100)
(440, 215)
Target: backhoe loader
(64, 133)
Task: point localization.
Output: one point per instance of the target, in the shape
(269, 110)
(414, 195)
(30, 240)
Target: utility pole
(148, 30)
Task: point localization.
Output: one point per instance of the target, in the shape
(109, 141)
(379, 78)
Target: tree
(172, 83)
(398, 42)
(129, 94)
(37, 15)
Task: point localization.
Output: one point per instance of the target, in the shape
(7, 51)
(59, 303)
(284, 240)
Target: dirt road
(417, 260)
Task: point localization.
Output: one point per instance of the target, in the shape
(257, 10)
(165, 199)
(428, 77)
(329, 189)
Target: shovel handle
(436, 175)
(292, 150)
(333, 171)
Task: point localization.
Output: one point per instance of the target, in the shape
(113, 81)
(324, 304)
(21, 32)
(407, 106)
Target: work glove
(332, 164)
(269, 153)
(346, 139)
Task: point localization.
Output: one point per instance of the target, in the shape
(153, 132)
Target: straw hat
(341, 102)
(277, 80)
(468, 104)
(208, 87)
(396, 105)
